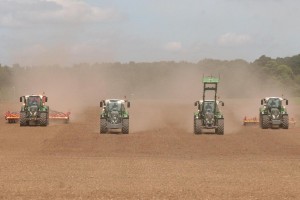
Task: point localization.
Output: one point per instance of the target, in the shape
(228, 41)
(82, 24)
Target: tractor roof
(201, 101)
(210, 79)
(34, 95)
(267, 98)
(114, 100)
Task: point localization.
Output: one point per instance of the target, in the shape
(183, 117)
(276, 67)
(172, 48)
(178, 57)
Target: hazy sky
(34, 32)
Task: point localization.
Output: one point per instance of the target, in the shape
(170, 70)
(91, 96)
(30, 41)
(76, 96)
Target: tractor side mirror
(101, 104)
(286, 102)
(196, 103)
(21, 99)
(261, 102)
(128, 104)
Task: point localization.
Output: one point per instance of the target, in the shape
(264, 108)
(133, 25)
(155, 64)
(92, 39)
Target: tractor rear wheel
(125, 126)
(103, 126)
(197, 126)
(285, 122)
(220, 129)
(43, 119)
(265, 122)
(23, 119)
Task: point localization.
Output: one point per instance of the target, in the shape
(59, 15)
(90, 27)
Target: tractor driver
(272, 103)
(115, 106)
(34, 101)
(208, 107)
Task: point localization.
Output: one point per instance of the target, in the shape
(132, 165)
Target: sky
(67, 32)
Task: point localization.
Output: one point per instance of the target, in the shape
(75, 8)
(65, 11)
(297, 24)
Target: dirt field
(160, 159)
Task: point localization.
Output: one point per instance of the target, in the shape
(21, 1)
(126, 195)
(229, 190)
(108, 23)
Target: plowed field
(160, 158)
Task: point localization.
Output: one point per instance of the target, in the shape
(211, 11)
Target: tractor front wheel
(23, 121)
(220, 129)
(265, 122)
(197, 126)
(43, 119)
(103, 126)
(260, 120)
(125, 126)
(285, 122)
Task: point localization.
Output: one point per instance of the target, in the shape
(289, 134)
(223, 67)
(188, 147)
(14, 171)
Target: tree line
(239, 77)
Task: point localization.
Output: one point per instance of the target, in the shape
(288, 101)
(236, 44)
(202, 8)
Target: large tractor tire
(48, 117)
(197, 126)
(260, 120)
(265, 122)
(285, 122)
(43, 119)
(125, 126)
(103, 126)
(23, 121)
(220, 129)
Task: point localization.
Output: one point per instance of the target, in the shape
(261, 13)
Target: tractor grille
(33, 111)
(275, 113)
(115, 117)
(209, 118)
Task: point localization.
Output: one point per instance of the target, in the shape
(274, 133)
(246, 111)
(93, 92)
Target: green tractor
(273, 114)
(208, 115)
(114, 115)
(34, 111)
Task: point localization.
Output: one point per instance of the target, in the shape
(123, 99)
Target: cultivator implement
(250, 121)
(55, 115)
(293, 121)
(13, 117)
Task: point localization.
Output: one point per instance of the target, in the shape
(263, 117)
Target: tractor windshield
(274, 103)
(114, 106)
(208, 107)
(34, 100)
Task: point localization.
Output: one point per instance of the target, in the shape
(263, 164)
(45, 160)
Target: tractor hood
(33, 110)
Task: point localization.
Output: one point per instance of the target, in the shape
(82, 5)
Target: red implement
(13, 117)
(250, 121)
(55, 115)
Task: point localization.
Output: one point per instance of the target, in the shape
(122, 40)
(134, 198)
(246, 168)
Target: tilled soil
(159, 159)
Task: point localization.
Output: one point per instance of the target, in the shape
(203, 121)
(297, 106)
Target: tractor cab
(33, 100)
(274, 103)
(115, 105)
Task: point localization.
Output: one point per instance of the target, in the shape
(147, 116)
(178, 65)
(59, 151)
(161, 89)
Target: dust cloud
(162, 94)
